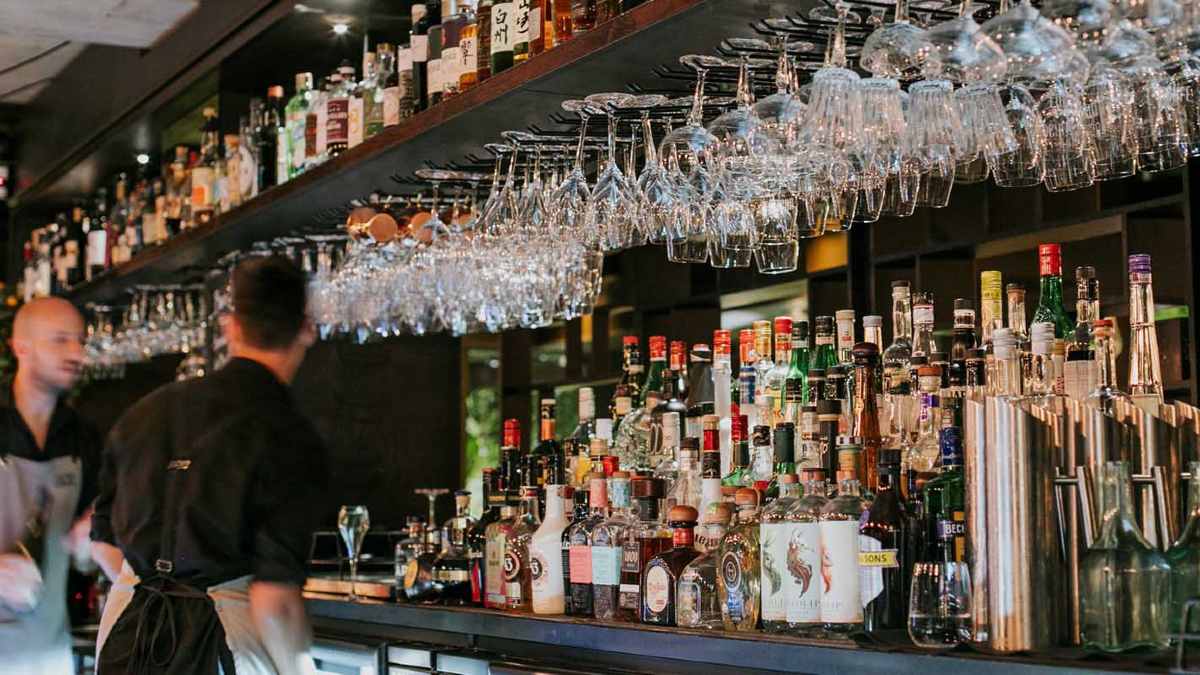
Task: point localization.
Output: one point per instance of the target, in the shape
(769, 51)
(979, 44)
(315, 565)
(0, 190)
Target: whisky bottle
(661, 577)
(504, 35)
(698, 600)
(776, 530)
(522, 18)
(648, 537)
(419, 41)
(608, 546)
(841, 602)
(740, 569)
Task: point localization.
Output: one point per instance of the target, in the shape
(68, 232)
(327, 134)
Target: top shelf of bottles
(608, 58)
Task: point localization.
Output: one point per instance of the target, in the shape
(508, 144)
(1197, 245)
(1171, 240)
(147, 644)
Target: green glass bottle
(1125, 583)
(739, 474)
(825, 357)
(1184, 557)
(656, 375)
(798, 368)
(785, 464)
(945, 502)
(1050, 293)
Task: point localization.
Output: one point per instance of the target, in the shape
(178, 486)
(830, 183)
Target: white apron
(39, 642)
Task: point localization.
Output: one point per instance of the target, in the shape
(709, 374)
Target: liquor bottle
(829, 420)
(495, 554)
(1008, 380)
(266, 133)
(608, 544)
(1125, 582)
(873, 330)
(356, 114)
(504, 35)
(408, 548)
(581, 499)
(784, 445)
(1050, 291)
(897, 354)
(483, 31)
(776, 379)
(845, 334)
(545, 555)
(657, 373)
(886, 555)
(434, 82)
(314, 128)
(816, 385)
(722, 381)
(1145, 368)
(943, 499)
(739, 473)
(762, 455)
(477, 534)
(837, 388)
(963, 340)
(337, 111)
(203, 174)
(865, 409)
(541, 26)
(922, 457)
(808, 451)
(1016, 312)
(375, 89)
(798, 367)
(1184, 557)
(452, 569)
(710, 464)
(454, 21)
(803, 564)
(701, 397)
(1080, 367)
(841, 603)
(747, 377)
(977, 369)
(738, 577)
(775, 535)
(991, 307)
(419, 582)
(419, 41)
(1106, 392)
(547, 446)
(580, 558)
(633, 442)
(647, 538)
(577, 446)
(522, 18)
(631, 373)
(697, 594)
(1087, 297)
(686, 488)
(763, 365)
(564, 21)
(924, 342)
(826, 356)
(518, 576)
(1040, 379)
(668, 468)
(672, 401)
(661, 577)
(583, 15)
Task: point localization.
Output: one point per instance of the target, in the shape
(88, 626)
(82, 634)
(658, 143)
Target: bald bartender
(48, 467)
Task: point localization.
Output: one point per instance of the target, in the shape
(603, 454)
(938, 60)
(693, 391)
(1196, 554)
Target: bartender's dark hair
(269, 301)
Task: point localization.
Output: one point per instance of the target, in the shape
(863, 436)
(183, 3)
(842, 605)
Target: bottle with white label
(841, 603)
(776, 529)
(419, 43)
(608, 542)
(337, 111)
(545, 555)
(804, 556)
(523, 15)
(504, 33)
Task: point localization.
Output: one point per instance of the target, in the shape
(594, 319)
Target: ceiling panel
(123, 23)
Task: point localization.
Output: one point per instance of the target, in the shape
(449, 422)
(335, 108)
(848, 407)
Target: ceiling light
(143, 159)
(341, 28)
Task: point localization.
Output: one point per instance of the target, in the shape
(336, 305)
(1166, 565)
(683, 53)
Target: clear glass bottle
(1145, 367)
(495, 556)
(1125, 583)
(668, 467)
(746, 377)
(763, 365)
(660, 579)
(518, 575)
(722, 376)
(921, 459)
(686, 488)
(897, 354)
(845, 334)
(648, 538)
(841, 603)
(804, 565)
(1016, 312)
(1050, 292)
(963, 341)
(776, 530)
(608, 544)
(1106, 391)
(776, 382)
(762, 455)
(632, 444)
(580, 554)
(545, 555)
(1184, 557)
(1041, 378)
(452, 569)
(576, 447)
(699, 602)
(739, 566)
(924, 342)
(991, 305)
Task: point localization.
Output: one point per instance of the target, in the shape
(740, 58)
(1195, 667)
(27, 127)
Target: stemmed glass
(656, 191)
(432, 494)
(897, 50)
(353, 523)
(571, 196)
(610, 205)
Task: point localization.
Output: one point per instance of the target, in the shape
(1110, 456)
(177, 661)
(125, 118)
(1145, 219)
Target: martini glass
(353, 523)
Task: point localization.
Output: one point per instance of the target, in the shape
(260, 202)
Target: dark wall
(389, 414)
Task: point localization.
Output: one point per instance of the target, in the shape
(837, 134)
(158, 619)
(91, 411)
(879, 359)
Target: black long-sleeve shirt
(248, 500)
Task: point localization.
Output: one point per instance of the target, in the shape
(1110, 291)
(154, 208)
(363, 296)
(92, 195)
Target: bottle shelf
(593, 645)
(607, 58)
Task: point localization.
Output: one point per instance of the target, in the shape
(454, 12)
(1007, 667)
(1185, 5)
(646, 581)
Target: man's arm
(278, 613)
(109, 558)
(104, 548)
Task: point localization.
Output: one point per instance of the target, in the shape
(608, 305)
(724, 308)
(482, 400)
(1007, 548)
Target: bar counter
(517, 643)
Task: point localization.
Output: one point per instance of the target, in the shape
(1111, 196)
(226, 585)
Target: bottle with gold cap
(661, 578)
(699, 602)
(739, 569)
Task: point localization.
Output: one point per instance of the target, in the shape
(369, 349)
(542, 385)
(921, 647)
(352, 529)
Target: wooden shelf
(608, 58)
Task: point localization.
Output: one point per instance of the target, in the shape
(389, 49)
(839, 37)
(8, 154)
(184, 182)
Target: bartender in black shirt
(208, 501)
(48, 467)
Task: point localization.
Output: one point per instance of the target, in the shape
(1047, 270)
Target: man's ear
(231, 330)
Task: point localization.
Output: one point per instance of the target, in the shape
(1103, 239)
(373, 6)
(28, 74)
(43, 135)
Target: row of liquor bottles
(887, 426)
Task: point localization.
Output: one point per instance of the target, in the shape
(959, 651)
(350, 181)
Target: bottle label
(451, 67)
(521, 19)
(872, 560)
(804, 571)
(631, 558)
(494, 571)
(658, 585)
(630, 597)
(468, 56)
(337, 121)
(778, 584)
(923, 314)
(202, 188)
(581, 564)
(624, 405)
(606, 565)
(842, 598)
(535, 23)
(735, 601)
(512, 566)
(952, 534)
(355, 122)
(420, 48)
(391, 106)
(503, 27)
(433, 79)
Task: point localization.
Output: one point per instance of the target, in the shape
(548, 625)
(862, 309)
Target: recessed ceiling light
(341, 28)
(143, 158)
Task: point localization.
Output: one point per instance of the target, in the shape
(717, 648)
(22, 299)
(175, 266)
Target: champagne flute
(353, 523)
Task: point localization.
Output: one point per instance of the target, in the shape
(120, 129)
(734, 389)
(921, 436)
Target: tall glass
(353, 523)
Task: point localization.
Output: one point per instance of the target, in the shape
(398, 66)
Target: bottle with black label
(885, 558)
(419, 43)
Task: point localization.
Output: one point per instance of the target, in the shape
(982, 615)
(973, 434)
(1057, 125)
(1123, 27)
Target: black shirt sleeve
(91, 458)
(106, 488)
(289, 478)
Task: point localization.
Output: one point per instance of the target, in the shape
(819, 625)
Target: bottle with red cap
(722, 378)
(1050, 292)
(656, 376)
(743, 394)
(631, 374)
(777, 375)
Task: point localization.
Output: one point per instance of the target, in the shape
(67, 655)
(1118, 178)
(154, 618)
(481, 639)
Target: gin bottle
(804, 561)
(608, 545)
(841, 602)
(776, 530)
(1145, 369)
(738, 575)
(1125, 583)
(699, 602)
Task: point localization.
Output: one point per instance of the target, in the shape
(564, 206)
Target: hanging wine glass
(691, 142)
(1108, 111)
(961, 52)
(1038, 52)
(610, 206)
(896, 50)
